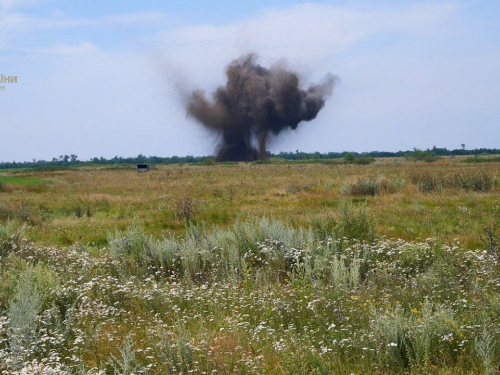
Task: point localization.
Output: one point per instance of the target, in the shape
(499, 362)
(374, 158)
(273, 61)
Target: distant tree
(73, 157)
(349, 158)
(419, 155)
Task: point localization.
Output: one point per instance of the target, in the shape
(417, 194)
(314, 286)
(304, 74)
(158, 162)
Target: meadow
(280, 268)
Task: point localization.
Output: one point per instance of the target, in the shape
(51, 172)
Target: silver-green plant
(425, 327)
(176, 355)
(344, 275)
(126, 363)
(23, 312)
(390, 331)
(484, 346)
(131, 247)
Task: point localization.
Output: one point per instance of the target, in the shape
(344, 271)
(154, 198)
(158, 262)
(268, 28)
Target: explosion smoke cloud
(255, 104)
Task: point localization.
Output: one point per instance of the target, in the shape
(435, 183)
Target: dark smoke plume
(256, 103)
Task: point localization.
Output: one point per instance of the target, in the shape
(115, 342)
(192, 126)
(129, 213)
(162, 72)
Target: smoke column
(255, 104)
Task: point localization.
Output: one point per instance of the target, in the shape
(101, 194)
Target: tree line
(416, 154)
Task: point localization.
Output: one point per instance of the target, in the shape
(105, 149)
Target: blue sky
(107, 78)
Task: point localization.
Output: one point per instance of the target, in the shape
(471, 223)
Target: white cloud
(7, 5)
(23, 22)
(15, 25)
(73, 50)
(311, 32)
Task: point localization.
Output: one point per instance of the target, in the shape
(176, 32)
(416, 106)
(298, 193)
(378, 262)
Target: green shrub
(425, 181)
(482, 160)
(364, 160)
(351, 158)
(349, 223)
(263, 161)
(472, 181)
(373, 186)
(478, 181)
(419, 155)
(416, 338)
(355, 223)
(45, 280)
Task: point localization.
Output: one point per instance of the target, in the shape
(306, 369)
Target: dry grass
(219, 194)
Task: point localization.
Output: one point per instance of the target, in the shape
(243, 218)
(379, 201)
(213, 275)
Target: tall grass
(477, 181)
(249, 298)
(249, 246)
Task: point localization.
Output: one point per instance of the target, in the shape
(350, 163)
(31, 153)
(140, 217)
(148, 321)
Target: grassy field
(281, 268)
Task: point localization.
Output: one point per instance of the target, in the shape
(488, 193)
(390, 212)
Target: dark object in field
(143, 168)
(255, 103)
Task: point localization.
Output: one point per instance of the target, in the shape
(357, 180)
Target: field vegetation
(390, 266)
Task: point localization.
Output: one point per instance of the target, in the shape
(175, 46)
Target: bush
(373, 186)
(425, 181)
(370, 187)
(419, 155)
(355, 223)
(351, 158)
(364, 160)
(263, 161)
(350, 223)
(474, 181)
